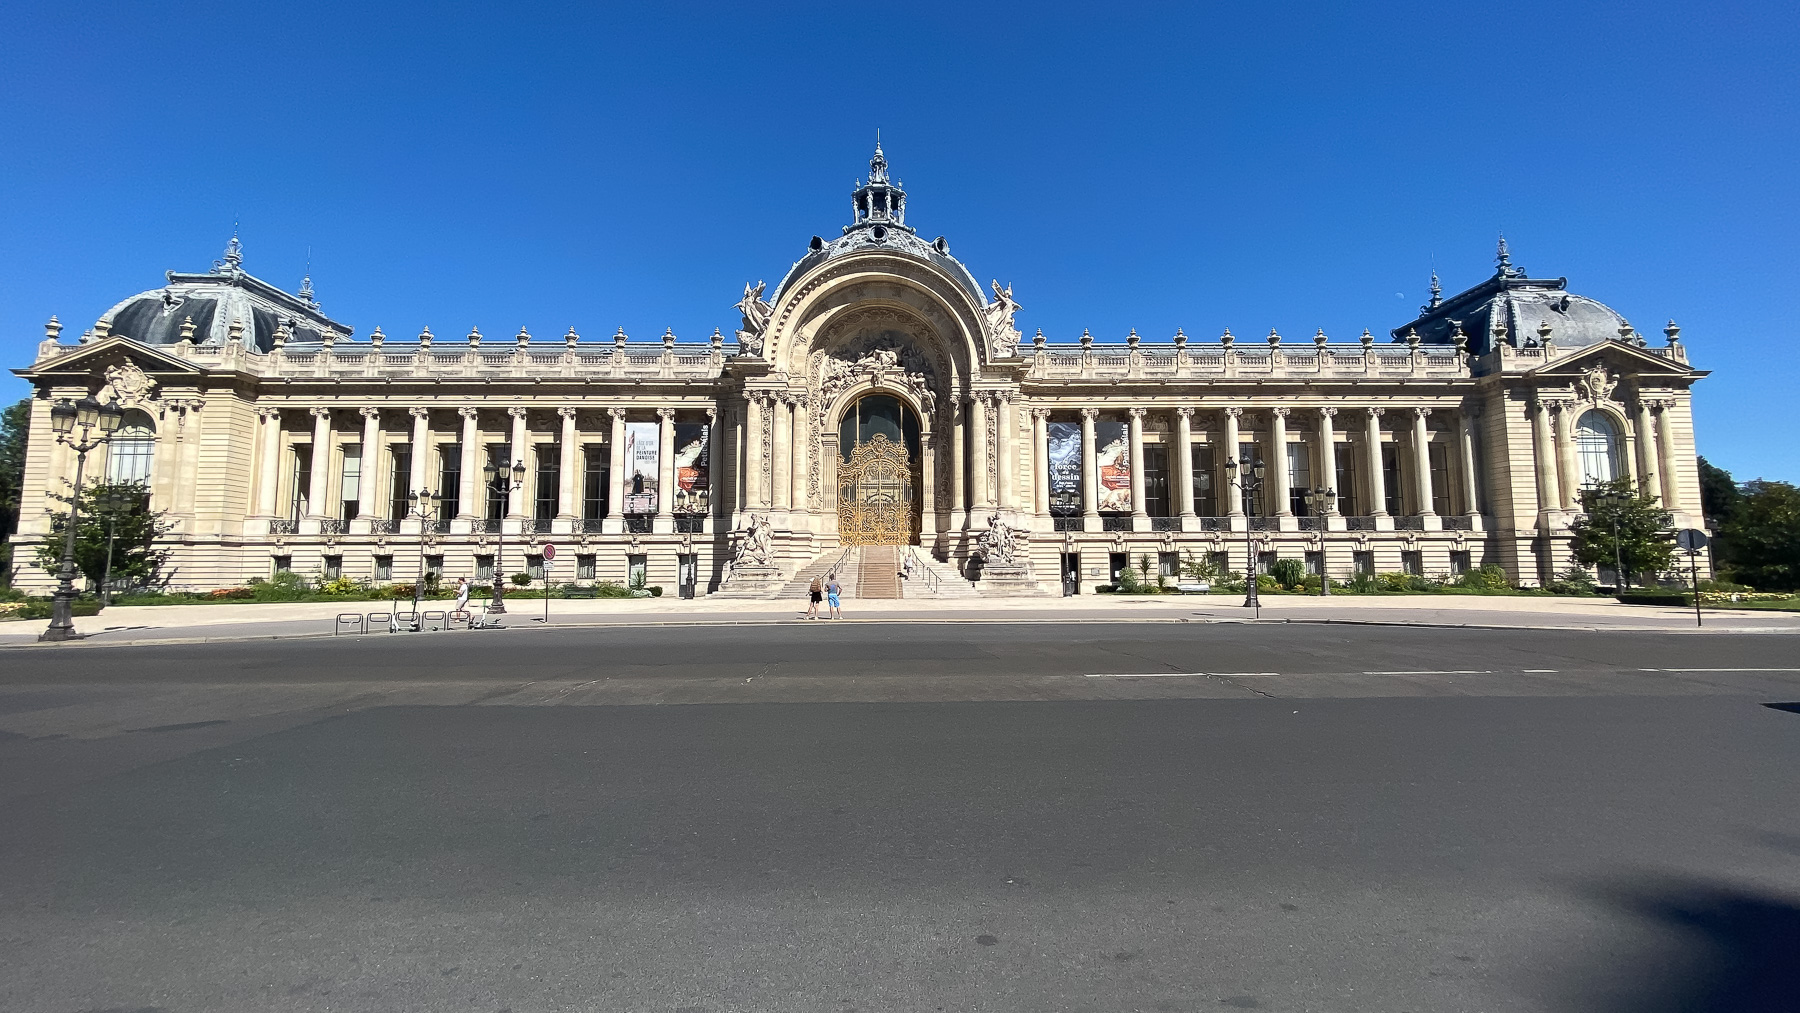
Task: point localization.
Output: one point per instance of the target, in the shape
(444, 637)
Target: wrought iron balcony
(487, 525)
(383, 525)
(1165, 524)
(1065, 523)
(1215, 523)
(1359, 524)
(592, 525)
(284, 527)
(331, 526)
(638, 524)
(1115, 522)
(692, 524)
(1409, 522)
(540, 525)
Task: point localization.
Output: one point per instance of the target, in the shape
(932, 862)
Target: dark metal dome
(202, 308)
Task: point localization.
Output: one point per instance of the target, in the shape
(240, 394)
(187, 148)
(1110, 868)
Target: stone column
(1040, 461)
(1140, 518)
(1234, 484)
(568, 486)
(783, 453)
(1007, 444)
(1465, 455)
(1665, 447)
(1568, 471)
(715, 467)
(959, 465)
(1646, 448)
(469, 493)
(515, 497)
(802, 450)
(268, 490)
(366, 501)
(614, 523)
(321, 466)
(1328, 457)
(1422, 467)
(1372, 452)
(416, 475)
(1183, 470)
(981, 495)
(1090, 472)
(1284, 480)
(1544, 452)
(665, 471)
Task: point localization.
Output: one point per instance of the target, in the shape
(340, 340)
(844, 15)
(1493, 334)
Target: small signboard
(549, 553)
(1691, 539)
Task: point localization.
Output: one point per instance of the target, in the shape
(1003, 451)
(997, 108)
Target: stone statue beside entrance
(1003, 337)
(1005, 555)
(752, 569)
(757, 314)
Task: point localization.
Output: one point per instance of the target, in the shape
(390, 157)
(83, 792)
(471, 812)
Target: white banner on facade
(641, 445)
(1114, 459)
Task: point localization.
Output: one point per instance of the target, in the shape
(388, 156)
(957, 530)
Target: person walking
(815, 593)
(833, 591)
(462, 595)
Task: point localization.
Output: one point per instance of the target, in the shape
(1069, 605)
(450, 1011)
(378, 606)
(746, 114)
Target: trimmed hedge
(1675, 598)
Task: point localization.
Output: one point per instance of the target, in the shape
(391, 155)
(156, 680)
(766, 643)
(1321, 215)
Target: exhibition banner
(1114, 459)
(692, 464)
(1065, 467)
(641, 440)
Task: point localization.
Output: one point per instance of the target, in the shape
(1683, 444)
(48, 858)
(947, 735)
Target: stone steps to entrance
(831, 561)
(877, 572)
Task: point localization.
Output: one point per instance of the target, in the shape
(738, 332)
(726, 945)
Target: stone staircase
(840, 561)
(877, 572)
(934, 580)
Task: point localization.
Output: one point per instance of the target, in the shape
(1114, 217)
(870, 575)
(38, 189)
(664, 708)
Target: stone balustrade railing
(1212, 361)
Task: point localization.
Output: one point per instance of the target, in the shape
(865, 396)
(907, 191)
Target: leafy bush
(1725, 586)
(1395, 581)
(608, 589)
(521, 579)
(1575, 580)
(1288, 572)
(655, 591)
(1127, 582)
(1312, 583)
(284, 586)
(341, 586)
(1364, 583)
(1197, 569)
(1486, 577)
(1642, 597)
(1267, 582)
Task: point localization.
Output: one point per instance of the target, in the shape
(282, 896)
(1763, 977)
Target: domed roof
(1526, 306)
(879, 209)
(211, 302)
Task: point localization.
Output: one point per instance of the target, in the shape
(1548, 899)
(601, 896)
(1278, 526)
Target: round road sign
(1691, 539)
(549, 553)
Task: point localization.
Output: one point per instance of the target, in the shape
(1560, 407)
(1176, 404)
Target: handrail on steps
(931, 579)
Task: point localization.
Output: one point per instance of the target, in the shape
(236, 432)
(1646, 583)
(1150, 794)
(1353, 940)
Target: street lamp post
(89, 414)
(1616, 502)
(501, 484)
(425, 505)
(1252, 484)
(112, 503)
(1322, 502)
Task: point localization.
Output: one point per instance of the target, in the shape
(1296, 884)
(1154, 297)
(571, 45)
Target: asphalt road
(1167, 818)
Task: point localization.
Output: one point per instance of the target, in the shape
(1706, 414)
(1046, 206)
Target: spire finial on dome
(1503, 261)
(1437, 291)
(306, 289)
(234, 253)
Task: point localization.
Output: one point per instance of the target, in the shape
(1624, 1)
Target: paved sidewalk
(187, 623)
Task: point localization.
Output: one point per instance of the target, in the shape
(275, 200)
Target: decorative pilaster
(1184, 463)
(1421, 441)
(515, 498)
(1090, 472)
(1372, 461)
(1234, 485)
(369, 471)
(269, 480)
(1280, 490)
(316, 509)
(614, 523)
(416, 472)
(665, 472)
(1672, 500)
(1649, 471)
(1543, 448)
(981, 468)
(1328, 457)
(1040, 461)
(1140, 518)
(1467, 433)
(1568, 469)
(470, 496)
(568, 485)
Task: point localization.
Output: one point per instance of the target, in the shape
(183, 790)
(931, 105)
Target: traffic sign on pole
(549, 553)
(1691, 539)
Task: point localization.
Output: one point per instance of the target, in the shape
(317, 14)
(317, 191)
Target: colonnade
(472, 444)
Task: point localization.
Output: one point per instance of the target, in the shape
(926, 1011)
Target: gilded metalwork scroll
(875, 495)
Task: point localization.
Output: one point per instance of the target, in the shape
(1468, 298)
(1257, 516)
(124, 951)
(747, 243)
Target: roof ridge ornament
(233, 261)
(1437, 292)
(1503, 262)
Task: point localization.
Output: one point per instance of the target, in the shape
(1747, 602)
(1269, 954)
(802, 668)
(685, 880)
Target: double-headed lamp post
(1252, 484)
(1616, 503)
(502, 484)
(114, 503)
(65, 415)
(1322, 501)
(425, 504)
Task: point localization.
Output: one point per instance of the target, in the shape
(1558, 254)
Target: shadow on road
(1735, 950)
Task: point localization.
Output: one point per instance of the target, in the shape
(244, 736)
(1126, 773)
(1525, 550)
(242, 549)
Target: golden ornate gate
(875, 495)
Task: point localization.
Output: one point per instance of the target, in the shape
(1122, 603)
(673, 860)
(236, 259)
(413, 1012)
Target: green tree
(135, 557)
(1719, 495)
(15, 429)
(1762, 539)
(1623, 523)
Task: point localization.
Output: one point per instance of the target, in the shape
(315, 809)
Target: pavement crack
(1234, 684)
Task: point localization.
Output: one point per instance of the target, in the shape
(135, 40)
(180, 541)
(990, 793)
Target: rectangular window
(384, 568)
(1205, 503)
(1156, 480)
(585, 566)
(1221, 562)
(595, 483)
(1390, 477)
(1168, 564)
(352, 483)
(1347, 503)
(434, 566)
(1459, 562)
(334, 567)
(484, 568)
(1315, 563)
(1412, 562)
(1247, 458)
(1265, 561)
(449, 482)
(1364, 562)
(298, 506)
(500, 456)
(534, 565)
(400, 502)
(1440, 477)
(549, 481)
(637, 569)
(281, 564)
(1299, 462)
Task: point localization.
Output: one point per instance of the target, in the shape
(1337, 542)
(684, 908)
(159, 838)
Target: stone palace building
(877, 406)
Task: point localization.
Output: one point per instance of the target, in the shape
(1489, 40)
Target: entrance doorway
(1071, 574)
(878, 473)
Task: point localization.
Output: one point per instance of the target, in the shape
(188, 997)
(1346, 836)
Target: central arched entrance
(878, 472)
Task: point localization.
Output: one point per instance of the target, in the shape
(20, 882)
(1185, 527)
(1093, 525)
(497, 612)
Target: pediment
(1617, 357)
(96, 358)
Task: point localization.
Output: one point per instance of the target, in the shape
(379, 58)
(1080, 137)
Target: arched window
(1597, 444)
(133, 445)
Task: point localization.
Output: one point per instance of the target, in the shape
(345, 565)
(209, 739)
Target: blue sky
(1246, 165)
